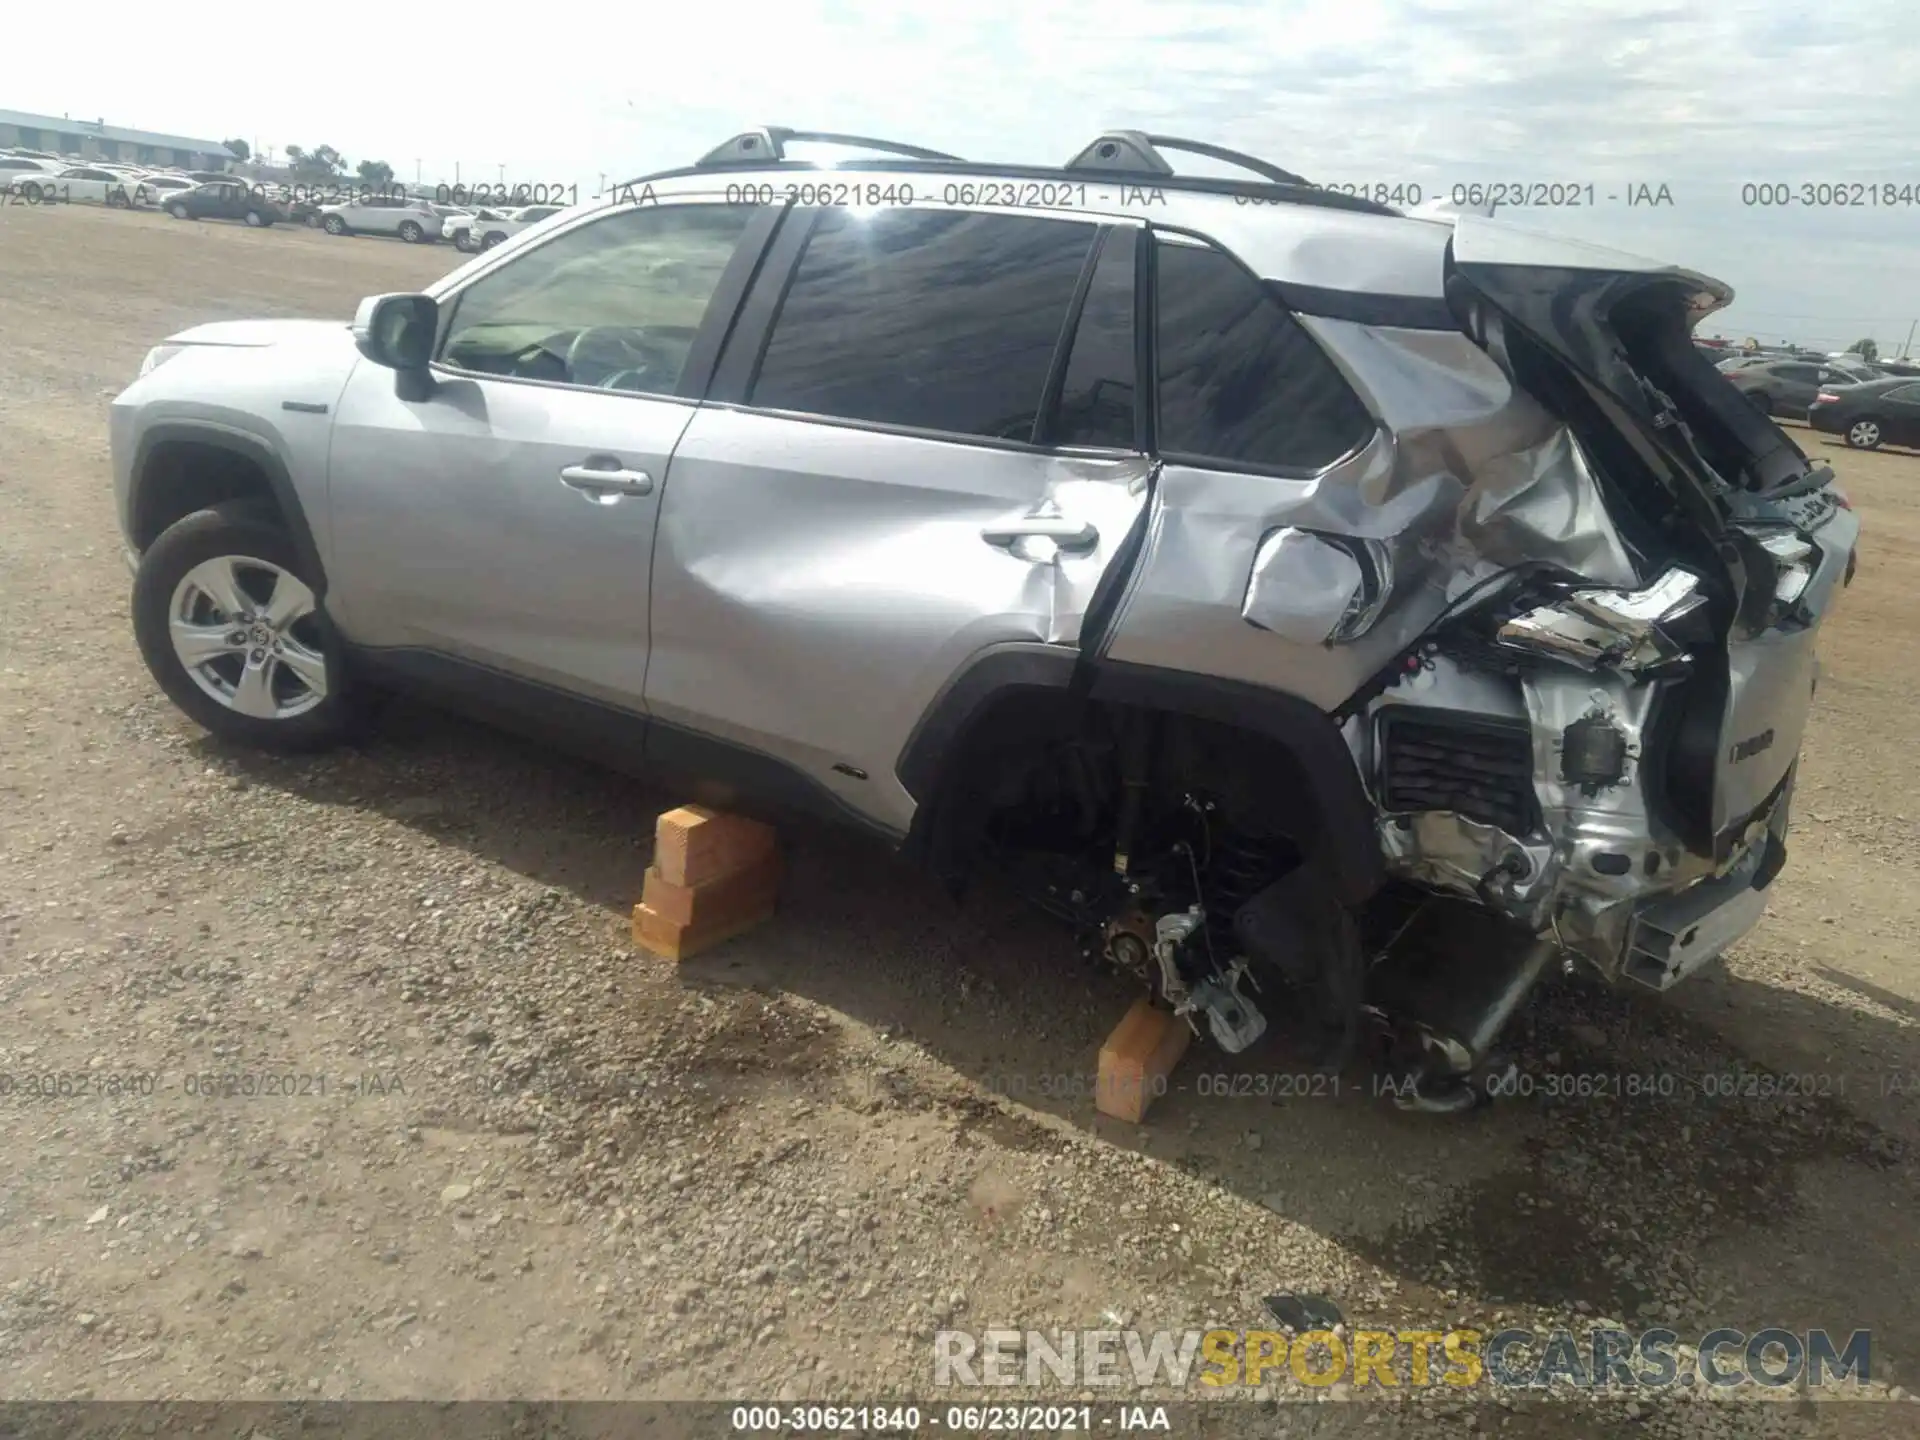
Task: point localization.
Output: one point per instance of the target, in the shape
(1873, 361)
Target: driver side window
(614, 304)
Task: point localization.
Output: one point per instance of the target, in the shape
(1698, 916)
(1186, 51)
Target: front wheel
(230, 626)
(334, 225)
(463, 242)
(1865, 435)
(117, 200)
(257, 219)
(411, 232)
(177, 210)
(31, 193)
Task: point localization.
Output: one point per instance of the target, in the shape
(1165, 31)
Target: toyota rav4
(1332, 613)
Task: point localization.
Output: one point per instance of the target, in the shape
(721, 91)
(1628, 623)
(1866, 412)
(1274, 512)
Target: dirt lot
(543, 1166)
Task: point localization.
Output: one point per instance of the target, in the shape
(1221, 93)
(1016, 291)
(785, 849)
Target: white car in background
(159, 187)
(83, 185)
(414, 221)
(485, 234)
(14, 168)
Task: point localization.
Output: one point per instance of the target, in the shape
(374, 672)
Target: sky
(1709, 100)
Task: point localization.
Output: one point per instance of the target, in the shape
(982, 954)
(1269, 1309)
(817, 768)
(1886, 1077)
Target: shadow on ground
(1652, 1174)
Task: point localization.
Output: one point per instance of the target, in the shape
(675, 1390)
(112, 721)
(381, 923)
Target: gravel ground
(519, 1160)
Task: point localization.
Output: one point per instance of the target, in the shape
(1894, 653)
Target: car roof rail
(769, 144)
(1135, 152)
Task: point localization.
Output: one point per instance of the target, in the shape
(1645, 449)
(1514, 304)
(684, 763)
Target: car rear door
(921, 449)
(507, 519)
(1903, 414)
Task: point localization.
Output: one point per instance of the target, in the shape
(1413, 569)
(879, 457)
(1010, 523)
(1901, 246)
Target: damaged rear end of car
(1599, 741)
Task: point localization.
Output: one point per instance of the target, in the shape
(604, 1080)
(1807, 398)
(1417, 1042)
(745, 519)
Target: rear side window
(1096, 400)
(935, 320)
(1240, 382)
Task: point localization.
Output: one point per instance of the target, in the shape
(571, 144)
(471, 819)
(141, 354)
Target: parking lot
(520, 1159)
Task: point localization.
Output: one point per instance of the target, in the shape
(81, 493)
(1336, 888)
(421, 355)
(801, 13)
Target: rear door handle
(607, 482)
(1067, 534)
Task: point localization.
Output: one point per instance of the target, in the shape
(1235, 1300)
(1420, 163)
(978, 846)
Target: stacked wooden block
(713, 876)
(1137, 1061)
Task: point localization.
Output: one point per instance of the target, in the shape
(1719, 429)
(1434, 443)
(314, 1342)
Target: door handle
(607, 482)
(1067, 534)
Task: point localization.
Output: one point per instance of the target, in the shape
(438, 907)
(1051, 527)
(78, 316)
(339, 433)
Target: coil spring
(1240, 868)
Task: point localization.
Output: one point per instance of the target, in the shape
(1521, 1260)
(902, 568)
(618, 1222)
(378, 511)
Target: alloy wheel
(246, 631)
(1864, 434)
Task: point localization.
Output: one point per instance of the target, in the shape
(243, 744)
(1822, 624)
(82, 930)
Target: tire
(30, 192)
(117, 200)
(1866, 433)
(494, 237)
(411, 232)
(257, 220)
(177, 210)
(333, 225)
(272, 704)
(463, 242)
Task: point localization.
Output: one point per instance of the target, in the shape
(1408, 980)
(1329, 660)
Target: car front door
(912, 458)
(507, 520)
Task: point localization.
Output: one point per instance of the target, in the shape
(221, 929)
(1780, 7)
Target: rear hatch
(1694, 475)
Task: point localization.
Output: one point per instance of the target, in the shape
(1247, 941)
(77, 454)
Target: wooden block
(1137, 1059)
(694, 845)
(697, 905)
(673, 941)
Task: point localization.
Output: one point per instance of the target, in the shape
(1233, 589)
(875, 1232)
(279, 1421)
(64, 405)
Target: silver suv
(1334, 614)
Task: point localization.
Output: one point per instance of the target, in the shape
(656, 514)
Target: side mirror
(397, 331)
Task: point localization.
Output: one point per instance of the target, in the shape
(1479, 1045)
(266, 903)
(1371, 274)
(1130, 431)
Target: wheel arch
(1346, 844)
(182, 467)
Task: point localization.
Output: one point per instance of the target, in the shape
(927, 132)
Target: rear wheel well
(182, 476)
(1052, 768)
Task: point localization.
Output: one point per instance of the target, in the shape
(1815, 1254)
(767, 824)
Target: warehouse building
(97, 140)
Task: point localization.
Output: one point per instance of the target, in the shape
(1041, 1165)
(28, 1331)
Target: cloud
(1704, 99)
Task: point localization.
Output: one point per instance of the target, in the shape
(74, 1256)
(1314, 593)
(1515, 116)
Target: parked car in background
(512, 222)
(1867, 416)
(464, 230)
(224, 200)
(36, 155)
(81, 185)
(159, 187)
(414, 221)
(17, 167)
(1787, 387)
(212, 177)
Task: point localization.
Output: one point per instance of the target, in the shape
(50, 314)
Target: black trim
(1198, 184)
(939, 732)
(248, 447)
(1146, 340)
(1402, 312)
(304, 407)
(1046, 417)
(724, 305)
(739, 362)
(610, 735)
(1347, 846)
